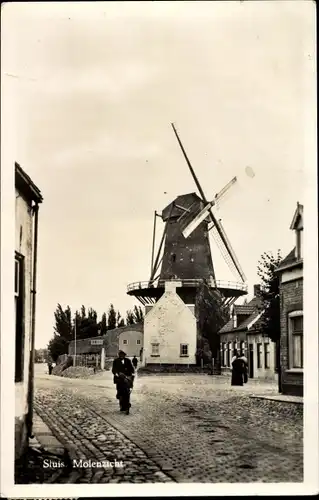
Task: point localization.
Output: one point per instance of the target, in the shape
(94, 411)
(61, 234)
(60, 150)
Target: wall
(169, 323)
(23, 245)
(291, 299)
(263, 372)
(131, 348)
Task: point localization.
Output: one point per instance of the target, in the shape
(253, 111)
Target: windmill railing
(142, 285)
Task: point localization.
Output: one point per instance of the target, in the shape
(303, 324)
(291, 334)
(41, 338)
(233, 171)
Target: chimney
(256, 290)
(170, 286)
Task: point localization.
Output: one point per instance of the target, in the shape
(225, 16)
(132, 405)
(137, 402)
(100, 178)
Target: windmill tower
(184, 252)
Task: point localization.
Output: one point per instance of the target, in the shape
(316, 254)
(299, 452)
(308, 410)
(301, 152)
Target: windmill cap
(183, 200)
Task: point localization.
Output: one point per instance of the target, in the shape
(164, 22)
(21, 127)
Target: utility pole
(74, 364)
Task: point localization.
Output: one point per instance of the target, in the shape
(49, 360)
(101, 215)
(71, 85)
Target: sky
(93, 88)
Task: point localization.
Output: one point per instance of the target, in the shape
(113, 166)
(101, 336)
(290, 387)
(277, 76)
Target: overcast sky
(94, 88)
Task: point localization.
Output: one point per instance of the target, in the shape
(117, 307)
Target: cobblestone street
(191, 428)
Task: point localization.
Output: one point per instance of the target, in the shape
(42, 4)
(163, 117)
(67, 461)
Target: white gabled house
(170, 330)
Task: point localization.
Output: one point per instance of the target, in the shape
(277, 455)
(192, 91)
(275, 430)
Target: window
(138, 342)
(191, 258)
(296, 339)
(224, 354)
(155, 350)
(267, 354)
(242, 347)
(173, 257)
(228, 354)
(125, 342)
(259, 355)
(19, 316)
(184, 350)
(233, 348)
(16, 277)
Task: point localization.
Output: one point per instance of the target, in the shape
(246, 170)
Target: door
(251, 361)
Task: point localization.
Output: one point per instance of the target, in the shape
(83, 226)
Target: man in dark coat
(134, 362)
(123, 372)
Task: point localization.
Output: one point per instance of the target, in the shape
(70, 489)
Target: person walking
(134, 362)
(243, 358)
(123, 372)
(237, 375)
(50, 367)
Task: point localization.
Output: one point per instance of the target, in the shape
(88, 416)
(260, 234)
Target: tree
(111, 320)
(211, 316)
(40, 355)
(130, 318)
(88, 326)
(103, 325)
(138, 314)
(119, 320)
(62, 332)
(270, 301)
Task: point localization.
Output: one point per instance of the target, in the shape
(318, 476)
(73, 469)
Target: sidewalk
(35, 467)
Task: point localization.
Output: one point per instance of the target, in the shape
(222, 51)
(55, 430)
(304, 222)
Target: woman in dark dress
(238, 369)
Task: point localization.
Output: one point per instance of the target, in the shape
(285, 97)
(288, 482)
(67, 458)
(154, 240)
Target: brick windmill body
(182, 262)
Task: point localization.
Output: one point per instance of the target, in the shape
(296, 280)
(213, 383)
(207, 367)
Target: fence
(88, 360)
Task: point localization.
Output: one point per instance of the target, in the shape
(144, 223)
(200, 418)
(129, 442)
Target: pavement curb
(279, 399)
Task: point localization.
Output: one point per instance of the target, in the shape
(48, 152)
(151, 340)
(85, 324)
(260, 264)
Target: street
(182, 428)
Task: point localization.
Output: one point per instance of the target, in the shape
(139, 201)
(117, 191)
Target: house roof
(26, 186)
(289, 260)
(250, 310)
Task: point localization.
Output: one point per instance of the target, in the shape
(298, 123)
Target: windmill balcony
(233, 285)
(150, 291)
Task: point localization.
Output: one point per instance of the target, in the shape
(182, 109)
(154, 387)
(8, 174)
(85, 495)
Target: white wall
(170, 323)
(263, 372)
(131, 348)
(23, 245)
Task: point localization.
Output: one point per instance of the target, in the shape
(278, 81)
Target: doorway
(251, 361)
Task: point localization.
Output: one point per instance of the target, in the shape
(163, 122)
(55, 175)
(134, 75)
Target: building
(243, 332)
(28, 198)
(170, 330)
(131, 341)
(291, 311)
(127, 338)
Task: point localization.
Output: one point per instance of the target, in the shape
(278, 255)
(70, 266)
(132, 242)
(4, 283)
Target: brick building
(27, 200)
(111, 342)
(291, 311)
(243, 333)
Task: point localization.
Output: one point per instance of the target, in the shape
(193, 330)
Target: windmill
(184, 252)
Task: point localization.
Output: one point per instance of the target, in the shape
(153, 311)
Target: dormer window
(235, 320)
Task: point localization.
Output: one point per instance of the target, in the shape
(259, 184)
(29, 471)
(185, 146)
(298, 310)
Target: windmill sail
(226, 250)
(203, 214)
(206, 212)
